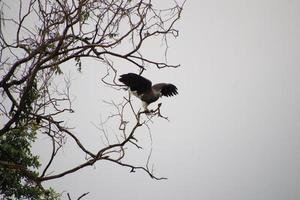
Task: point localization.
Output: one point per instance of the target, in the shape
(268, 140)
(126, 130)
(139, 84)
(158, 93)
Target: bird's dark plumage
(136, 82)
(169, 90)
(143, 89)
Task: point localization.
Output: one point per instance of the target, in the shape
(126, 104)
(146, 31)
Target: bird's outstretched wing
(169, 90)
(136, 82)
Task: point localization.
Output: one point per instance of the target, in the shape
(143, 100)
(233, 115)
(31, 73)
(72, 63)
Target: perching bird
(143, 89)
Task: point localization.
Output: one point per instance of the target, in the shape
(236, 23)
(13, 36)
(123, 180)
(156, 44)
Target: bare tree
(36, 42)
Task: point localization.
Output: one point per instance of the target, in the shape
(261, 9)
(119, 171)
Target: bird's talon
(147, 111)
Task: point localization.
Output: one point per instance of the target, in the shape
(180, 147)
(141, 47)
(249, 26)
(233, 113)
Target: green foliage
(78, 64)
(84, 16)
(31, 96)
(57, 70)
(18, 166)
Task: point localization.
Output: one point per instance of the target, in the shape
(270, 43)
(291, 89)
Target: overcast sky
(234, 127)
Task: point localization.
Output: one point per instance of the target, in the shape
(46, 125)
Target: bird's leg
(129, 95)
(158, 112)
(145, 106)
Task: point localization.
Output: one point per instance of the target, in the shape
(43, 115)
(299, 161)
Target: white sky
(234, 129)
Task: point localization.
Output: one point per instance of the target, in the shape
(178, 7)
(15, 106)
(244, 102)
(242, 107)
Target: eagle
(145, 91)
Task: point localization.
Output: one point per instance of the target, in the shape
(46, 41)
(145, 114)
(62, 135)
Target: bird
(143, 89)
